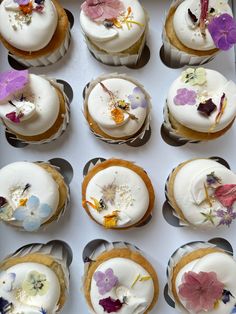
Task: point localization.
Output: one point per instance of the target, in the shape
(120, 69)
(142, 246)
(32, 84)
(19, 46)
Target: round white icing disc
(15, 177)
(139, 297)
(32, 34)
(29, 303)
(100, 108)
(189, 34)
(40, 103)
(191, 199)
(121, 189)
(214, 87)
(116, 39)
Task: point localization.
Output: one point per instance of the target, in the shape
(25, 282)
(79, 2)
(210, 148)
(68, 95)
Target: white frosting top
(214, 87)
(190, 34)
(100, 108)
(116, 39)
(26, 303)
(121, 189)
(139, 295)
(40, 105)
(30, 32)
(225, 268)
(16, 176)
(189, 191)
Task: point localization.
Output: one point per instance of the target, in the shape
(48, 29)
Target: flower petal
(44, 211)
(32, 224)
(21, 213)
(33, 203)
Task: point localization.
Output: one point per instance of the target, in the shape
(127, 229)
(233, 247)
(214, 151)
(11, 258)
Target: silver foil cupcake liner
(146, 125)
(48, 59)
(177, 58)
(62, 128)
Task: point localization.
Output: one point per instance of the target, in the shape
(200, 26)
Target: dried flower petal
(226, 194)
(105, 281)
(200, 290)
(206, 108)
(109, 193)
(227, 216)
(185, 97)
(22, 2)
(117, 115)
(203, 16)
(110, 221)
(3, 201)
(226, 296)
(192, 16)
(223, 104)
(12, 81)
(14, 117)
(110, 305)
(212, 179)
(27, 9)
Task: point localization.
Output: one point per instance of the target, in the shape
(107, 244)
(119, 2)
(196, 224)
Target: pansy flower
(105, 281)
(35, 284)
(32, 214)
(138, 99)
(194, 76)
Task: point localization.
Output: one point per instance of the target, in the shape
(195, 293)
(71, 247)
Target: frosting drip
(129, 282)
(122, 191)
(199, 200)
(118, 106)
(195, 100)
(27, 186)
(30, 288)
(116, 35)
(39, 102)
(188, 32)
(224, 267)
(28, 31)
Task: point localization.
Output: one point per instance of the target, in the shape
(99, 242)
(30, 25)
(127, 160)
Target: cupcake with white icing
(115, 30)
(32, 195)
(118, 194)
(208, 199)
(117, 108)
(35, 279)
(36, 32)
(196, 30)
(200, 105)
(201, 279)
(118, 278)
(33, 108)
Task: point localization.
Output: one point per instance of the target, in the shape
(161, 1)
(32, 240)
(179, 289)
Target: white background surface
(158, 239)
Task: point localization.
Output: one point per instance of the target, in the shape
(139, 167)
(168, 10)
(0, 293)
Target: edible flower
(226, 194)
(194, 76)
(97, 205)
(110, 305)
(227, 216)
(223, 31)
(35, 284)
(32, 214)
(200, 290)
(105, 281)
(185, 97)
(101, 10)
(110, 221)
(203, 16)
(137, 99)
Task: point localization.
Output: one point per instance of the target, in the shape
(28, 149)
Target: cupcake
(118, 194)
(35, 279)
(120, 279)
(34, 109)
(200, 105)
(115, 30)
(208, 201)
(32, 195)
(117, 108)
(201, 279)
(196, 30)
(36, 32)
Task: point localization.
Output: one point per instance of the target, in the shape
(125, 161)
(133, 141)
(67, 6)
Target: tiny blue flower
(43, 311)
(32, 214)
(138, 99)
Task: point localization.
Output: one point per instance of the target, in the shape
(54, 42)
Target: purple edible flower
(11, 82)
(105, 281)
(227, 216)
(223, 31)
(110, 305)
(185, 97)
(137, 99)
(22, 2)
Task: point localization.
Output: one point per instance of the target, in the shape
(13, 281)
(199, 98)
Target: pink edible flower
(200, 291)
(101, 10)
(226, 194)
